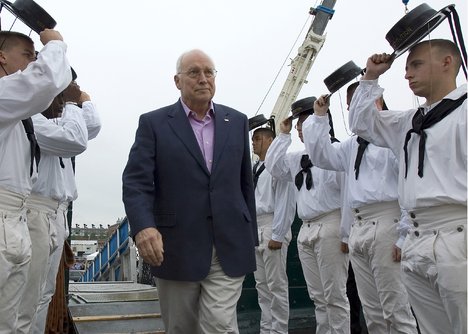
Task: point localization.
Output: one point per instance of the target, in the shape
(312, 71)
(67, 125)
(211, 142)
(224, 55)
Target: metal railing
(116, 261)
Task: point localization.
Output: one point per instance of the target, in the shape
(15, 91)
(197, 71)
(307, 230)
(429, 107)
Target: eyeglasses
(195, 73)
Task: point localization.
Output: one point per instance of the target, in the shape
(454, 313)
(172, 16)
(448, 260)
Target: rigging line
(343, 116)
(282, 65)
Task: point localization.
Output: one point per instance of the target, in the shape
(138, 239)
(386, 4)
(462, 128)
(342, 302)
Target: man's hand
(48, 35)
(344, 245)
(377, 65)
(286, 125)
(150, 246)
(396, 254)
(84, 97)
(321, 105)
(274, 245)
(72, 93)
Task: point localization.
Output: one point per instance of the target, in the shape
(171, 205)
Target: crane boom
(302, 63)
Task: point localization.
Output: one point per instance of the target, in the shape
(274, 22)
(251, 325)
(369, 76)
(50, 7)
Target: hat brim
(35, 17)
(422, 31)
(302, 112)
(303, 106)
(342, 76)
(257, 121)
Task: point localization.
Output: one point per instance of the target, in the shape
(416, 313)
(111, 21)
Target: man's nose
(407, 74)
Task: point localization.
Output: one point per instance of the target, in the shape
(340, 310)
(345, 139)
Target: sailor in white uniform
(276, 208)
(431, 147)
(372, 196)
(67, 194)
(62, 132)
(319, 199)
(27, 87)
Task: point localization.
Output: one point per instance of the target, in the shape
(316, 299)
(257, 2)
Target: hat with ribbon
(414, 26)
(260, 120)
(306, 107)
(342, 76)
(256, 121)
(303, 106)
(33, 15)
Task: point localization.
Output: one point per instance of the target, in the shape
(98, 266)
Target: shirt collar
(453, 95)
(188, 111)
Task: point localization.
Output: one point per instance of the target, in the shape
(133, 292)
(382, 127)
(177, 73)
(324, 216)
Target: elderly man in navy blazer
(189, 198)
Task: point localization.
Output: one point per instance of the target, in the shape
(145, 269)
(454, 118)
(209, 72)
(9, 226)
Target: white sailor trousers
(434, 268)
(15, 257)
(271, 280)
(58, 235)
(41, 212)
(325, 269)
(378, 278)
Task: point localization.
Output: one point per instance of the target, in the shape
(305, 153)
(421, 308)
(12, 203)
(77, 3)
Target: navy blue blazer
(167, 185)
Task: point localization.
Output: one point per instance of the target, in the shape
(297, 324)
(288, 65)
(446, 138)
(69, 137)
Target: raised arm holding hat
(430, 144)
(319, 200)
(372, 201)
(27, 87)
(275, 207)
(62, 131)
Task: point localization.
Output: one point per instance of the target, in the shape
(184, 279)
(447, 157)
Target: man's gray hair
(181, 57)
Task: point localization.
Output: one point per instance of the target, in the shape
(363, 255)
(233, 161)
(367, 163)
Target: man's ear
(2, 57)
(177, 81)
(447, 62)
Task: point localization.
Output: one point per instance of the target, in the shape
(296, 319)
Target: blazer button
(460, 228)
(416, 233)
(356, 210)
(415, 224)
(412, 215)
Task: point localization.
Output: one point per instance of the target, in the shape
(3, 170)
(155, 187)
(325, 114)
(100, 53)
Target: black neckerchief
(421, 122)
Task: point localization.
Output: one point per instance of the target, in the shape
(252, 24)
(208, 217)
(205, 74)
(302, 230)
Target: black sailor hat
(414, 26)
(33, 15)
(303, 106)
(342, 76)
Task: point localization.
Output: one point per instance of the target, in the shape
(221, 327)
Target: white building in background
(84, 247)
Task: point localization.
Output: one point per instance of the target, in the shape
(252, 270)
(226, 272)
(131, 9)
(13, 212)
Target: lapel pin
(226, 119)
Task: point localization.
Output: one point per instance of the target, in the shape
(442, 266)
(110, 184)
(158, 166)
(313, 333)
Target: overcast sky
(124, 53)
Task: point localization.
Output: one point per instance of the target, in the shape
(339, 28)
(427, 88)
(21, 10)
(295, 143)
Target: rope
(281, 67)
(343, 116)
(457, 35)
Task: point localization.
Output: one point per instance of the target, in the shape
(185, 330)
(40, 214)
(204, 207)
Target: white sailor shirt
(445, 160)
(326, 193)
(277, 197)
(378, 172)
(23, 94)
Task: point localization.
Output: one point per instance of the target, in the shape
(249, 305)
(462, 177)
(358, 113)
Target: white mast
(301, 64)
